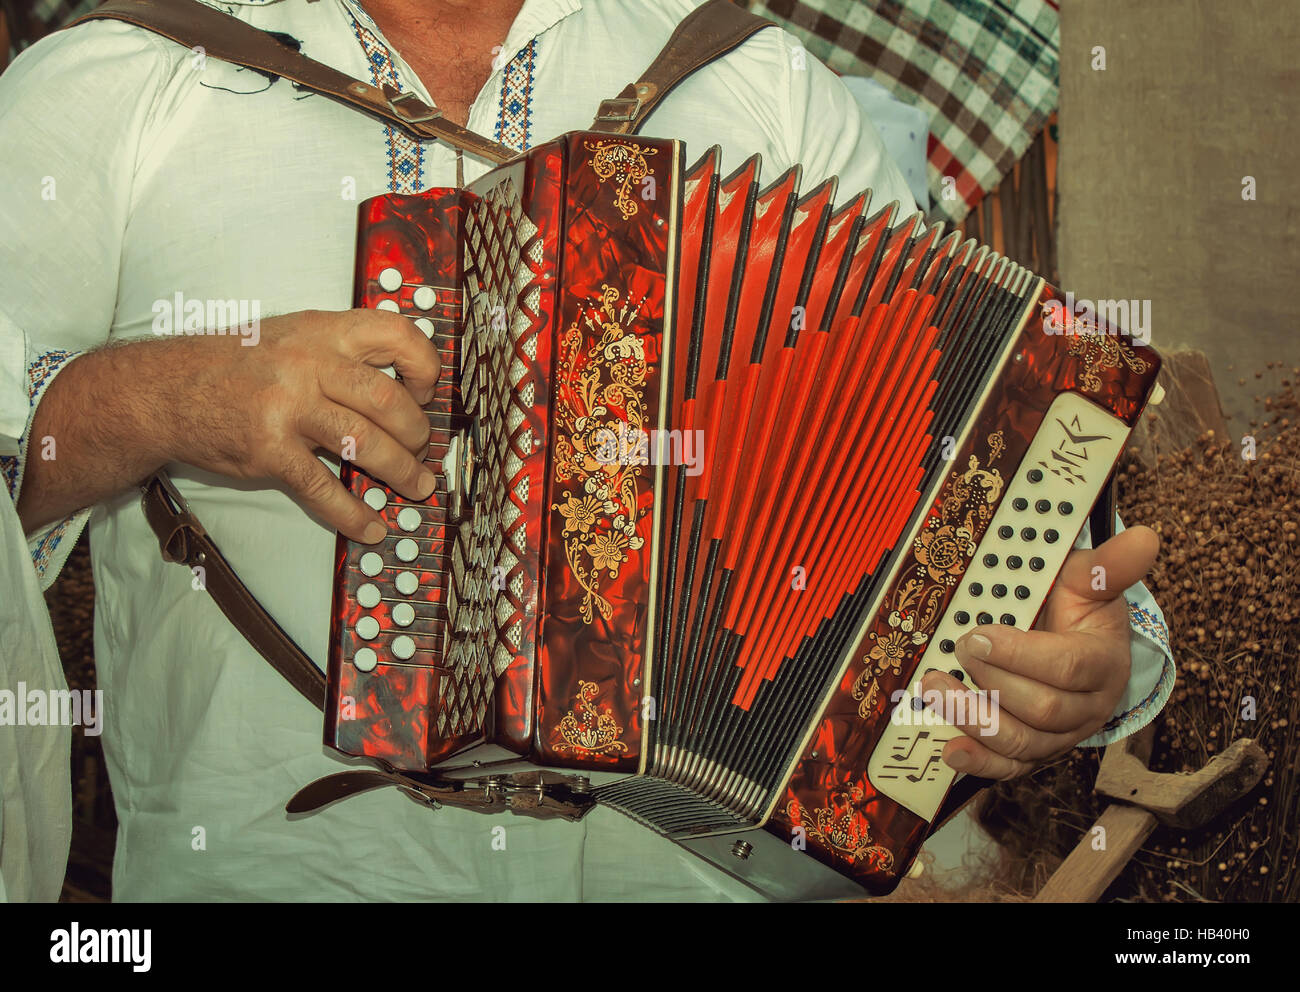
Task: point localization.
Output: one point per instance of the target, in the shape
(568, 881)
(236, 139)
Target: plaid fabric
(986, 72)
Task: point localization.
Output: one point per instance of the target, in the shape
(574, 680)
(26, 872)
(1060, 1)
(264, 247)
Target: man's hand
(314, 382)
(1058, 684)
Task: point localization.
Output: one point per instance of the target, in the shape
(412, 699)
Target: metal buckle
(619, 108)
(395, 105)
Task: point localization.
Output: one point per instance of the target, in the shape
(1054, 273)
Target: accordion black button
(947, 646)
(1022, 592)
(1019, 503)
(918, 703)
(999, 590)
(1043, 505)
(1008, 620)
(985, 618)
(1035, 475)
(1036, 564)
(1050, 536)
(1014, 561)
(958, 674)
(976, 589)
(991, 561)
(1028, 534)
(1005, 532)
(961, 616)
(1065, 508)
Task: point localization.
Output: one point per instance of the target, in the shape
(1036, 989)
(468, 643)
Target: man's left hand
(1060, 683)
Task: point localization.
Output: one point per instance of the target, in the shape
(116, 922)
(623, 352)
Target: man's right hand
(314, 382)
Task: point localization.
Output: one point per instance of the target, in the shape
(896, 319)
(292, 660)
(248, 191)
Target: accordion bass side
(724, 469)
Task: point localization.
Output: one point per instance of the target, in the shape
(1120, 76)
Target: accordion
(724, 468)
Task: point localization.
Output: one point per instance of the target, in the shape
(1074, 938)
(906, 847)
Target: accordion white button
(389, 305)
(403, 614)
(371, 564)
(390, 280)
(407, 550)
(403, 647)
(365, 659)
(367, 628)
(407, 583)
(409, 518)
(389, 371)
(375, 498)
(424, 298)
(425, 325)
(368, 596)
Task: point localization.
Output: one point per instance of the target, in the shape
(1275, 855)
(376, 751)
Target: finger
(988, 721)
(1077, 661)
(380, 338)
(346, 433)
(1041, 706)
(1104, 573)
(321, 492)
(964, 754)
(381, 400)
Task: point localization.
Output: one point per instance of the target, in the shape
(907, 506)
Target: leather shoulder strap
(709, 32)
(183, 539)
(221, 36)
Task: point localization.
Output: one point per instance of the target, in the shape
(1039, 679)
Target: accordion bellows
(724, 467)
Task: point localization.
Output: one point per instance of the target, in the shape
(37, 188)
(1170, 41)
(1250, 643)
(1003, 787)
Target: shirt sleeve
(830, 134)
(1152, 673)
(73, 109)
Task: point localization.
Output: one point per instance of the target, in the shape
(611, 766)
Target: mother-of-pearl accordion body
(723, 470)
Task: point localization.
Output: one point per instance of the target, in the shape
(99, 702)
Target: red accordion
(723, 469)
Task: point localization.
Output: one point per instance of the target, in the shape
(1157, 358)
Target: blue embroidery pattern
(39, 375)
(405, 155)
(515, 109)
(1149, 624)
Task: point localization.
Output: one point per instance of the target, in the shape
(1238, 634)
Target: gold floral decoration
(842, 828)
(941, 553)
(624, 163)
(1097, 348)
(600, 399)
(588, 729)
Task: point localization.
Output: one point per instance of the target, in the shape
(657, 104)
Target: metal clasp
(396, 105)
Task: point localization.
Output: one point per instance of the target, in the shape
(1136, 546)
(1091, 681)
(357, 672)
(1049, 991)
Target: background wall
(1196, 95)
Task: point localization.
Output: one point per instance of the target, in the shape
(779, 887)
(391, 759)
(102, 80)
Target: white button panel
(1007, 581)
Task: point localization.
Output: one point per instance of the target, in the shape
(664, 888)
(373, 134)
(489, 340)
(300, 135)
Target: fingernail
(959, 762)
(374, 533)
(978, 646)
(425, 484)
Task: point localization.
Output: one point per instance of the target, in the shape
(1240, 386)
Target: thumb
(1103, 573)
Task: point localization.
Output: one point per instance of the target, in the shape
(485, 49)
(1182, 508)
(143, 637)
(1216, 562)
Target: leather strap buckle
(620, 109)
(397, 103)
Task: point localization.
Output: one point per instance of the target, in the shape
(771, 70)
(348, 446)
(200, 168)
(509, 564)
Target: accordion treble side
(724, 469)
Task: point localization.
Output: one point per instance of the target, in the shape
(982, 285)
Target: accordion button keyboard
(365, 660)
(425, 325)
(371, 564)
(403, 647)
(376, 498)
(407, 583)
(407, 550)
(403, 614)
(1071, 456)
(390, 280)
(367, 628)
(424, 297)
(389, 305)
(408, 518)
(368, 596)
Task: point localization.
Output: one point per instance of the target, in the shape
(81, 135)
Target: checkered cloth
(986, 72)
